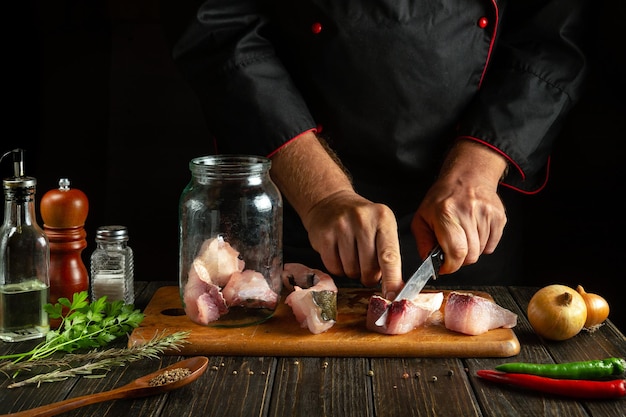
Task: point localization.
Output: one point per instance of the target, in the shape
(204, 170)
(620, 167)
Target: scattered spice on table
(169, 376)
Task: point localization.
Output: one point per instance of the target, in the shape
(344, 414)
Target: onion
(597, 309)
(557, 312)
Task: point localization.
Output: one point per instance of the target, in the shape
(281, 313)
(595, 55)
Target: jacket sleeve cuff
(314, 130)
(514, 176)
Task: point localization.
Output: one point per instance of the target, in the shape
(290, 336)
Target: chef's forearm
(306, 173)
(469, 159)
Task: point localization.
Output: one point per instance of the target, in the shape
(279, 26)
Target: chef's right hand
(357, 238)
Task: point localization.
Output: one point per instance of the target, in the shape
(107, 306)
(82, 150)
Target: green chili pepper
(594, 369)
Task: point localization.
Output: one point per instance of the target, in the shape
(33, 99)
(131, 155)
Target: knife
(428, 269)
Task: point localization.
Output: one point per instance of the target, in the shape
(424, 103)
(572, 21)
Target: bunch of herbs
(85, 325)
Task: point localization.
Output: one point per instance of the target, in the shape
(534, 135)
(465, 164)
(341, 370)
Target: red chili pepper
(577, 388)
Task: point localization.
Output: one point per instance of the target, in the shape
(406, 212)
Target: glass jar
(112, 265)
(230, 241)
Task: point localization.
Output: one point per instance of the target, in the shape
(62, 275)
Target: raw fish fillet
(472, 314)
(249, 289)
(404, 315)
(203, 302)
(216, 261)
(314, 297)
(217, 280)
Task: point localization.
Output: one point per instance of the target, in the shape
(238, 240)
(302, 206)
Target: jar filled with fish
(230, 241)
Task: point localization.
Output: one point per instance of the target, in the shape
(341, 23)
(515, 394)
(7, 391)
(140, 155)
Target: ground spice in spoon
(170, 376)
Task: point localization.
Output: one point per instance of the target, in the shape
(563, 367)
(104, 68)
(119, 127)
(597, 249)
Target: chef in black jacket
(392, 124)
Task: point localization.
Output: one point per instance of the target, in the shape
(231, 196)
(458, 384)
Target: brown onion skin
(557, 312)
(597, 308)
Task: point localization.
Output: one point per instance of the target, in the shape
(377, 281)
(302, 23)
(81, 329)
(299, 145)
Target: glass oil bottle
(24, 260)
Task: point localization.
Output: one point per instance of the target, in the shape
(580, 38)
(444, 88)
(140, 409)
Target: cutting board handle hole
(173, 312)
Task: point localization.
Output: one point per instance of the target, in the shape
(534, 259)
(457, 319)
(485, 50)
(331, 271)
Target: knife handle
(436, 255)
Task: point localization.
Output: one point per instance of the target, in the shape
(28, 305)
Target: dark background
(91, 93)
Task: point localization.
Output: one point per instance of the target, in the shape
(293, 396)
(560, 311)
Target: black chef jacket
(390, 84)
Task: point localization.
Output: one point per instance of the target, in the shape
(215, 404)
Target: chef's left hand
(462, 211)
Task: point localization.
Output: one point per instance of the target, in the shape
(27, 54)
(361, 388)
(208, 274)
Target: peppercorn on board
(282, 335)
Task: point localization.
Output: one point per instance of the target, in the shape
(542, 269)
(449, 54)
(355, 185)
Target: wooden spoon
(140, 387)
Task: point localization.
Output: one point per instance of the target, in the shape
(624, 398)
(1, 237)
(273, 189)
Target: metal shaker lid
(114, 233)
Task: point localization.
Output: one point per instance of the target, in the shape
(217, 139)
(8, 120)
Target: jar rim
(234, 163)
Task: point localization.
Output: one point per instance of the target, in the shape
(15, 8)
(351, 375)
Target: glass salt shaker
(230, 241)
(24, 260)
(112, 265)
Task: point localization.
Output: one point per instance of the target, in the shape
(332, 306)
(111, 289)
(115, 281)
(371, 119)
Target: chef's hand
(462, 211)
(354, 236)
(357, 238)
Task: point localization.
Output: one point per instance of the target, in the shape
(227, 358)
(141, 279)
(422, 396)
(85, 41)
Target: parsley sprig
(85, 325)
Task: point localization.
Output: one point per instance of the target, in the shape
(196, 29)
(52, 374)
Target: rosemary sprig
(104, 360)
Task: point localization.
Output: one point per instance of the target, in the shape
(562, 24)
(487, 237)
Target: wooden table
(341, 386)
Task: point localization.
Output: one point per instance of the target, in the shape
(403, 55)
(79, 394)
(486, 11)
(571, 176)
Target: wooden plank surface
(273, 386)
(282, 335)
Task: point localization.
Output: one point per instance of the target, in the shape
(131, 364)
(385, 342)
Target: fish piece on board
(473, 315)
(313, 299)
(404, 315)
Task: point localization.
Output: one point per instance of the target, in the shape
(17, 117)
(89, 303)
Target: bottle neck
(19, 207)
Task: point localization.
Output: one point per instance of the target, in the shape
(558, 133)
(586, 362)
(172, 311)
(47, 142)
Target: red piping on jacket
(493, 40)
(516, 166)
(314, 130)
(511, 162)
(491, 45)
(541, 187)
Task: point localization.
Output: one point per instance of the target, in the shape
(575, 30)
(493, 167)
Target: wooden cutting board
(282, 335)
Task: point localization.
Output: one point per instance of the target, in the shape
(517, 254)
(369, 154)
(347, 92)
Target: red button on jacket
(316, 27)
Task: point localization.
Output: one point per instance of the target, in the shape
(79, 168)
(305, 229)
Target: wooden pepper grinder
(64, 212)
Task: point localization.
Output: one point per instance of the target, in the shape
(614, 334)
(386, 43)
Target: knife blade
(428, 269)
